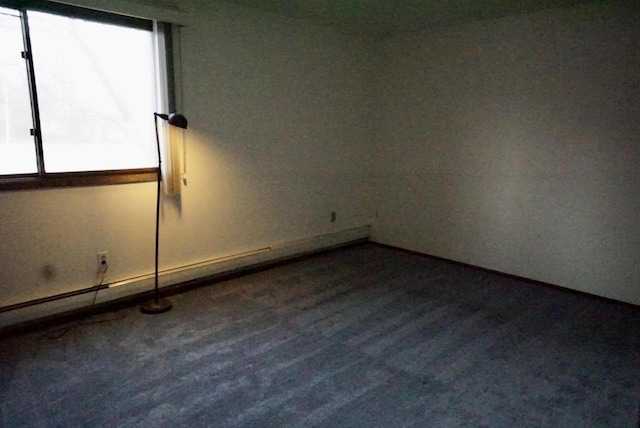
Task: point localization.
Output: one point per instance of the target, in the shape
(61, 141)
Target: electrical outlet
(333, 216)
(102, 261)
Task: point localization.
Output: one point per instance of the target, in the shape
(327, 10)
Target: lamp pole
(158, 305)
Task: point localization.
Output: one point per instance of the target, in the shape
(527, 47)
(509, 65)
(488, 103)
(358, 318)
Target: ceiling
(383, 17)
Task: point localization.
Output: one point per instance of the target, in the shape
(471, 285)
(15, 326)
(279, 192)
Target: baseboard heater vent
(188, 267)
(172, 278)
(53, 298)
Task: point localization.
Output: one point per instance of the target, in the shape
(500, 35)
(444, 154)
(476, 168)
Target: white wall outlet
(102, 261)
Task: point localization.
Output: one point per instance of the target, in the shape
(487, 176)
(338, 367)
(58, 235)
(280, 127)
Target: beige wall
(515, 145)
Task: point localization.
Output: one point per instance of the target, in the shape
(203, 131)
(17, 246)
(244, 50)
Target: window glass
(96, 93)
(17, 147)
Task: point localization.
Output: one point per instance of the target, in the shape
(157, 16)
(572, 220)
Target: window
(78, 89)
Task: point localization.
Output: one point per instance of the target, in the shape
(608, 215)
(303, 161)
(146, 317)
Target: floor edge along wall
(144, 283)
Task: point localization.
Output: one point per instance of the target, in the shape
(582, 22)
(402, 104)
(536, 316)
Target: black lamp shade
(176, 119)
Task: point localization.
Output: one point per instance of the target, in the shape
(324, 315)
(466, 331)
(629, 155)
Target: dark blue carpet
(359, 337)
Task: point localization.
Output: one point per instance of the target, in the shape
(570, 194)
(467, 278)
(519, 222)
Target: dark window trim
(78, 179)
(33, 93)
(79, 12)
(45, 180)
(167, 30)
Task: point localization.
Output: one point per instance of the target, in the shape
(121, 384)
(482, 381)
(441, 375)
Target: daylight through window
(77, 95)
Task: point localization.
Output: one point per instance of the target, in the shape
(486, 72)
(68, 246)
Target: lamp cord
(58, 333)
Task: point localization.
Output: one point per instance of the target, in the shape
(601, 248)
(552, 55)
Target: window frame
(164, 82)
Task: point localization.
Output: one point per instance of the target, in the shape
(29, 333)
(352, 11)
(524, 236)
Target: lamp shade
(176, 119)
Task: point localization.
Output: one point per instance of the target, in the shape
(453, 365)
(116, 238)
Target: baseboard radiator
(22, 312)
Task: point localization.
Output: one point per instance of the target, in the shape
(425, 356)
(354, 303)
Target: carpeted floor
(359, 337)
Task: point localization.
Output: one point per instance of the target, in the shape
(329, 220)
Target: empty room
(339, 213)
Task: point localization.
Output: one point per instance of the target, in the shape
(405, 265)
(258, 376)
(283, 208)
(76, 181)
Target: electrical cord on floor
(58, 333)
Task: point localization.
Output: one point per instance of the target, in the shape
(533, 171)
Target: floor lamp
(158, 305)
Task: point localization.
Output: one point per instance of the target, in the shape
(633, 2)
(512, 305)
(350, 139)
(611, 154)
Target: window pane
(17, 146)
(96, 93)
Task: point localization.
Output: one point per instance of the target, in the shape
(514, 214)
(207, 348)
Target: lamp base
(156, 306)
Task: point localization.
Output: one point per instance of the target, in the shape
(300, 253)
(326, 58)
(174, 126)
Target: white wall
(515, 145)
(276, 139)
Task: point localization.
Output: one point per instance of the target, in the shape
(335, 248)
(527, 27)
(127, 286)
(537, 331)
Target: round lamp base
(156, 306)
